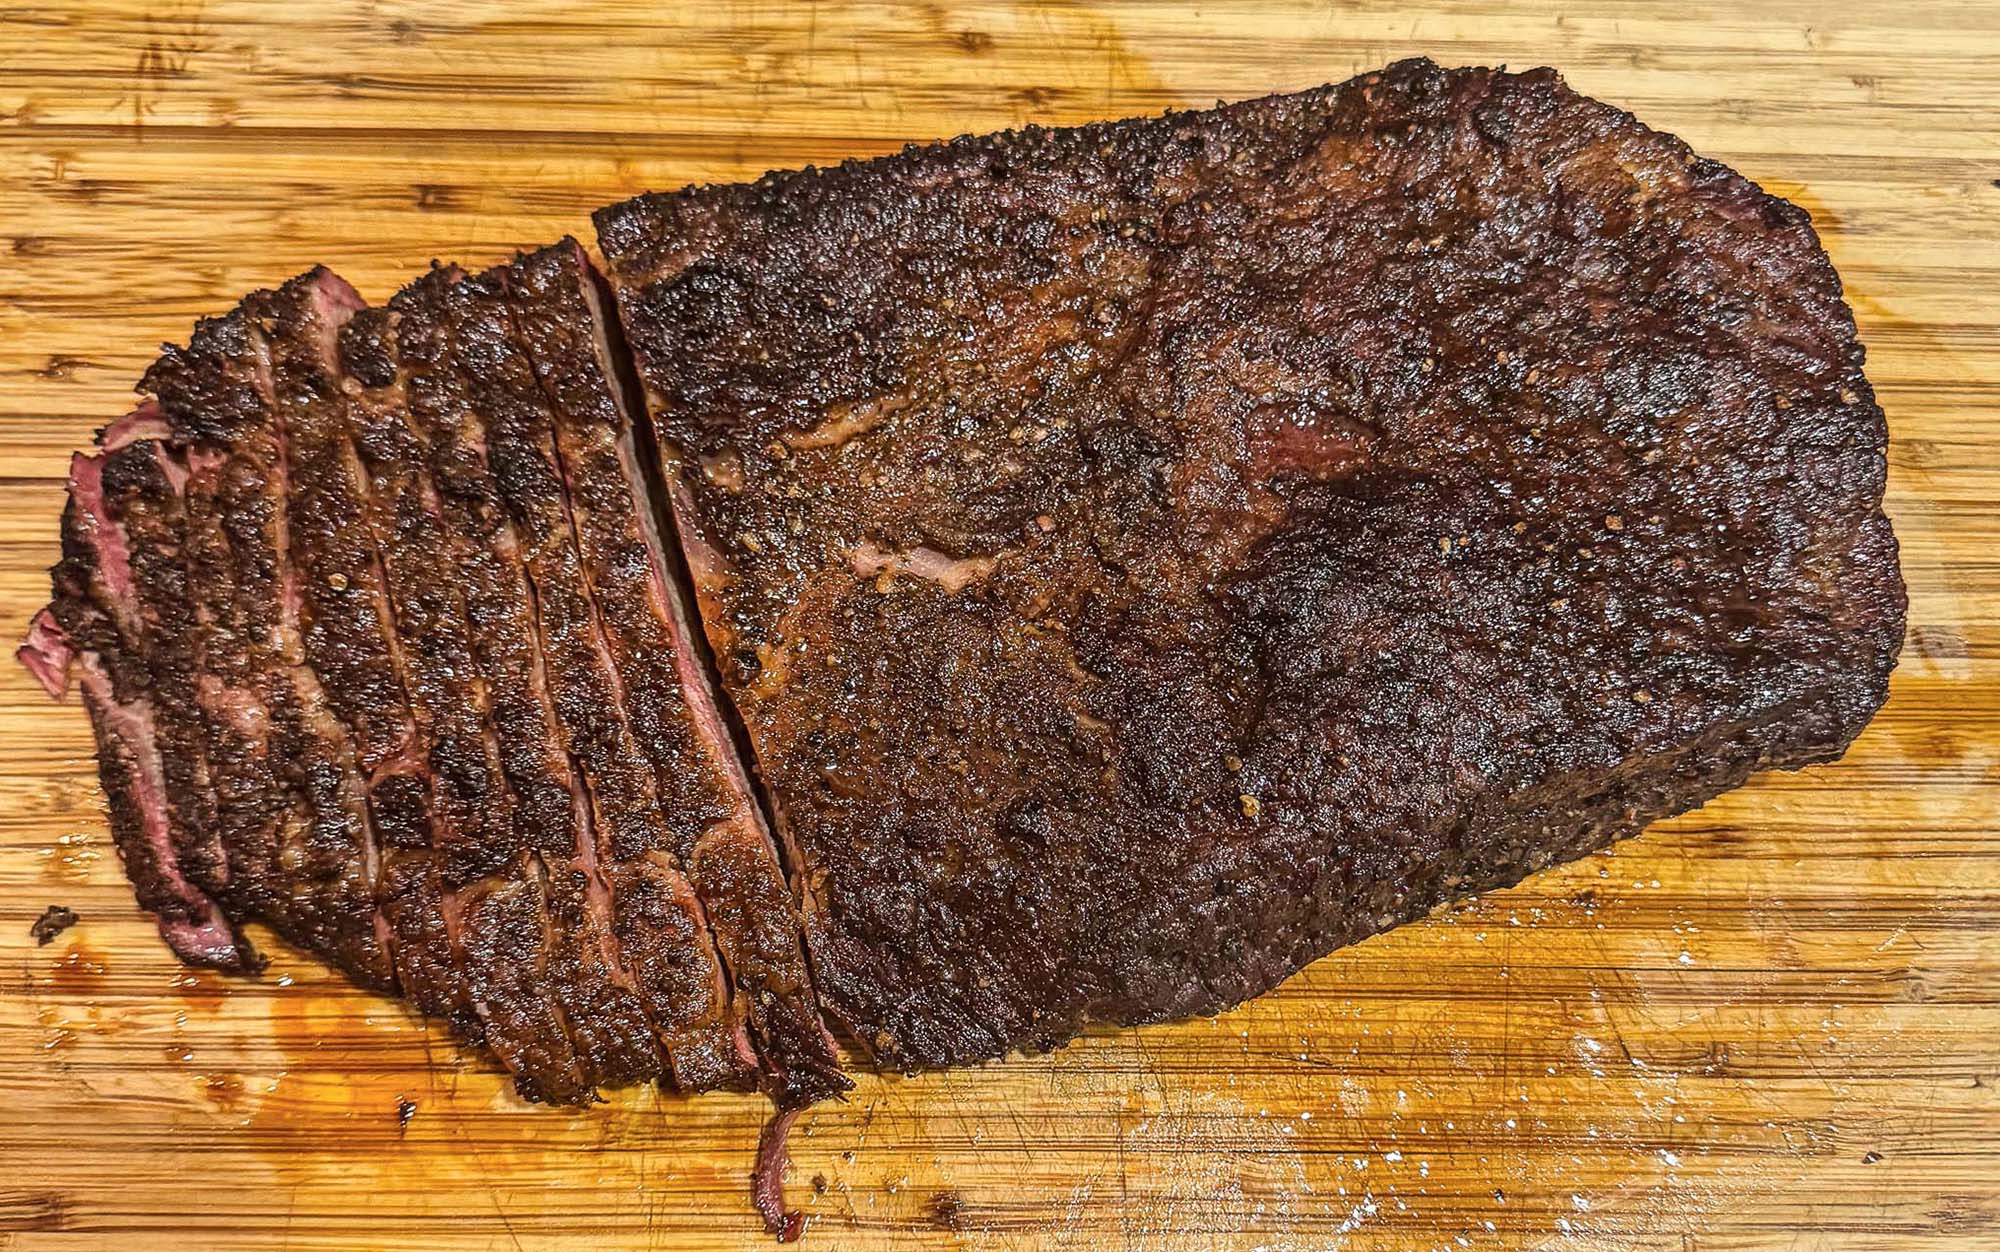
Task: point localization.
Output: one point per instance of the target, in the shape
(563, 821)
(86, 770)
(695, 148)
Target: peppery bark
(141, 483)
(104, 624)
(487, 940)
(657, 919)
(1410, 483)
(521, 876)
(445, 793)
(290, 796)
(525, 954)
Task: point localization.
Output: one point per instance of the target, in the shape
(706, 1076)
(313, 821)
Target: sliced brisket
(142, 489)
(657, 918)
(479, 948)
(290, 797)
(107, 617)
(344, 607)
(503, 792)
(1150, 555)
(1139, 559)
(713, 825)
(443, 795)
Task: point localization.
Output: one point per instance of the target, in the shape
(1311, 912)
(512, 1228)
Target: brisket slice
(1150, 555)
(474, 687)
(486, 943)
(658, 920)
(141, 486)
(713, 823)
(344, 608)
(443, 793)
(641, 970)
(290, 800)
(132, 770)
(101, 625)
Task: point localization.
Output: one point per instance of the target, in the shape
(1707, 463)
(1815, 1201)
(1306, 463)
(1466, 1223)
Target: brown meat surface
(291, 792)
(508, 444)
(1136, 559)
(1150, 555)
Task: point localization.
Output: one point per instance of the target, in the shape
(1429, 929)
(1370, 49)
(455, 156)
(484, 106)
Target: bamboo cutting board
(1774, 1023)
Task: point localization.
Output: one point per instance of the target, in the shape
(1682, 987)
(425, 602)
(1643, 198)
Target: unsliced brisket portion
(1149, 555)
(713, 824)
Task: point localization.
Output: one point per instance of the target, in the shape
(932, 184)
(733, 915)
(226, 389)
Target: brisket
(656, 916)
(1057, 577)
(1150, 555)
(480, 947)
(141, 489)
(290, 800)
(450, 767)
(100, 620)
(473, 618)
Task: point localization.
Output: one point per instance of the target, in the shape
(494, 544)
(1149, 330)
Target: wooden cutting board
(1771, 1024)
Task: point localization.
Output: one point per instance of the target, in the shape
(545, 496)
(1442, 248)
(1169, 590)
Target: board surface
(1774, 1023)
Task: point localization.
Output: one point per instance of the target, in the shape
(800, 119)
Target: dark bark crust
(372, 662)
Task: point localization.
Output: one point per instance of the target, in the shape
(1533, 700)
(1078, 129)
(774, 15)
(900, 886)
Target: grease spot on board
(73, 859)
(434, 197)
(947, 1210)
(1206, 1159)
(61, 367)
(59, 1030)
(202, 989)
(78, 972)
(224, 1091)
(1825, 221)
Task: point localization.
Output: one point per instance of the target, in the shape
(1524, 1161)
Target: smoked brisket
(1040, 579)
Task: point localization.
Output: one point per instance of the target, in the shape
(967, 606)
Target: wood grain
(1771, 1024)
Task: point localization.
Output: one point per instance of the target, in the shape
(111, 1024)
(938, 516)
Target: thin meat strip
(503, 799)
